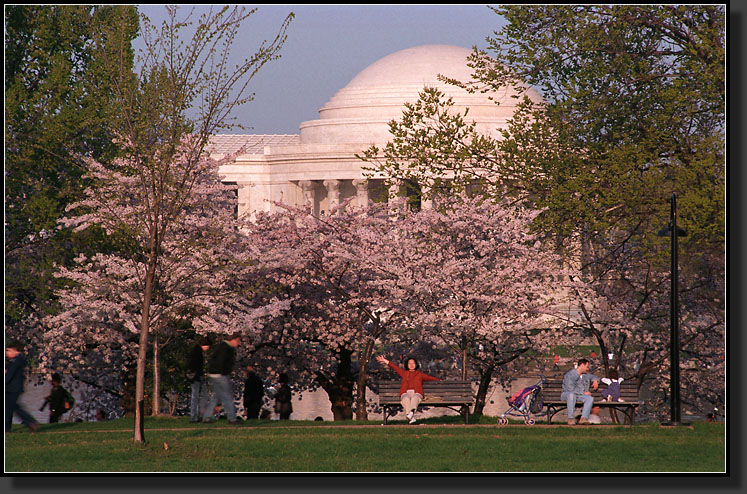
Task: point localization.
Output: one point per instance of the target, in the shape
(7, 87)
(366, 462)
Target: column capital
(307, 185)
(361, 184)
(332, 185)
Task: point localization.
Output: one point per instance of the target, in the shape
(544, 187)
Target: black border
(733, 481)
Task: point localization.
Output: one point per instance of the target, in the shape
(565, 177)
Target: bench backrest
(552, 389)
(435, 392)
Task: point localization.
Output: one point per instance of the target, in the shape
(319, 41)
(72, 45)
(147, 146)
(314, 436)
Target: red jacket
(411, 379)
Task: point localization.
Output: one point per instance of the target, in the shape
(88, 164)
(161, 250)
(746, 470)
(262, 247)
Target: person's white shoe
(412, 420)
(410, 415)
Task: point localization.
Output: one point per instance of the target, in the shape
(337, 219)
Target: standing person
(196, 375)
(576, 387)
(411, 390)
(283, 398)
(254, 391)
(219, 370)
(15, 378)
(59, 400)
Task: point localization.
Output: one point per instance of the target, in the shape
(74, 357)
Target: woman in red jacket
(411, 390)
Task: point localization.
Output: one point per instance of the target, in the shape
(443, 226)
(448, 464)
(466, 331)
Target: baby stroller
(524, 403)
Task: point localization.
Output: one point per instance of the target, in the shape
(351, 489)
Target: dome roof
(360, 112)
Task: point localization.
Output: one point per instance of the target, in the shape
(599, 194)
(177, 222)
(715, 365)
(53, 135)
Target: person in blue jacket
(576, 388)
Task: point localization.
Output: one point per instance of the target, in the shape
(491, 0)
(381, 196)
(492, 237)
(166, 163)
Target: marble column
(309, 191)
(361, 187)
(426, 202)
(333, 192)
(397, 197)
(308, 188)
(243, 198)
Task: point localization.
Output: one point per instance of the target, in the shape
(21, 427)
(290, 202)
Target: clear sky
(328, 45)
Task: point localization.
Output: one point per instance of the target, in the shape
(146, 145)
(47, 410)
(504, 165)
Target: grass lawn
(175, 445)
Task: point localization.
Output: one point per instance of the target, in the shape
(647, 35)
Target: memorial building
(319, 164)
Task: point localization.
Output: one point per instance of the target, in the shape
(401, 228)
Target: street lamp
(673, 232)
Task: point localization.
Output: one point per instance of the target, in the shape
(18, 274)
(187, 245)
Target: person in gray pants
(220, 368)
(576, 387)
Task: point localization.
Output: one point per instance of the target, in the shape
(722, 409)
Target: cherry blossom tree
(330, 270)
(184, 92)
(470, 274)
(625, 308)
(189, 274)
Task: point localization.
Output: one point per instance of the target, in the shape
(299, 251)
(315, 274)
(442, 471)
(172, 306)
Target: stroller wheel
(502, 421)
(529, 421)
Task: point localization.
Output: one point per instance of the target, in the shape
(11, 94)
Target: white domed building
(319, 164)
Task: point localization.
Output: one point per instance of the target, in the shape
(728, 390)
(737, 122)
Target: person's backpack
(69, 400)
(539, 401)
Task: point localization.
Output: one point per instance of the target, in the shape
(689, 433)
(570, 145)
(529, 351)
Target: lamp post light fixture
(673, 232)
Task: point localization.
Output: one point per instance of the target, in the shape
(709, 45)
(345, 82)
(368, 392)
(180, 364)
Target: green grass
(297, 446)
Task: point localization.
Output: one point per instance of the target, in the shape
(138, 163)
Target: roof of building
(254, 143)
(361, 111)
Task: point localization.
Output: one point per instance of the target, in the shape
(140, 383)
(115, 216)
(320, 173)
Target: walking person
(219, 370)
(196, 375)
(283, 396)
(60, 401)
(15, 378)
(411, 390)
(576, 387)
(254, 391)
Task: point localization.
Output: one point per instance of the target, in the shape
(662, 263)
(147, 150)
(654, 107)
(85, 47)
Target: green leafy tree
(57, 108)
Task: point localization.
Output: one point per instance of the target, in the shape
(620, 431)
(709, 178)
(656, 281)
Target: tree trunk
(361, 412)
(139, 434)
(156, 375)
(464, 363)
(482, 390)
(340, 387)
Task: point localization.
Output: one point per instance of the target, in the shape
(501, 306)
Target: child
(59, 400)
(15, 378)
(612, 393)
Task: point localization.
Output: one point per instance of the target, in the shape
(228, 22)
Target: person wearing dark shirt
(59, 400)
(220, 368)
(254, 391)
(283, 397)
(196, 375)
(411, 390)
(15, 378)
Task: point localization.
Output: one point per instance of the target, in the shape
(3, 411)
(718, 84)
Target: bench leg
(551, 415)
(630, 417)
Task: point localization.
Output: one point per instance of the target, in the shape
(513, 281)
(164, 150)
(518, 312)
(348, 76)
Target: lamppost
(673, 232)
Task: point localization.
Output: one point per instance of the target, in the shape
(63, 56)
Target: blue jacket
(574, 383)
(577, 384)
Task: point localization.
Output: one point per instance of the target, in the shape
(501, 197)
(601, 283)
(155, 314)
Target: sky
(328, 45)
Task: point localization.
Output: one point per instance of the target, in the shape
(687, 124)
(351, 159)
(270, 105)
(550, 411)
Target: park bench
(552, 389)
(447, 394)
